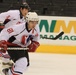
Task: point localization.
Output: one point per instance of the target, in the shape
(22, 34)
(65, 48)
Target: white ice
(51, 64)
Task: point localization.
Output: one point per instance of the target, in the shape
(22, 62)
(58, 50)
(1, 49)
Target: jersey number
(10, 30)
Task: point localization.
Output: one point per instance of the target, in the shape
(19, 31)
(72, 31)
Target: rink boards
(50, 26)
(57, 49)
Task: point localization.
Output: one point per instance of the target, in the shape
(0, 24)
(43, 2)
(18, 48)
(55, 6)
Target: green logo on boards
(54, 27)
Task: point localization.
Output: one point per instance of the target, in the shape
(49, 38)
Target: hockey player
(24, 35)
(14, 17)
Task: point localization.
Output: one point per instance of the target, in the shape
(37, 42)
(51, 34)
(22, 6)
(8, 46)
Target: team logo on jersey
(24, 37)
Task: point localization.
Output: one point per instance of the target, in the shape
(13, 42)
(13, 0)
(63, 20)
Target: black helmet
(25, 5)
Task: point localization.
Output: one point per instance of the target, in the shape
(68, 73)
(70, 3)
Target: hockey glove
(3, 46)
(33, 46)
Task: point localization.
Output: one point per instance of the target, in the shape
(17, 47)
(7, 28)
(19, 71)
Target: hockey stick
(56, 37)
(10, 48)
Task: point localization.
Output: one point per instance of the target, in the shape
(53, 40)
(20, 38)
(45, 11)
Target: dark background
(43, 7)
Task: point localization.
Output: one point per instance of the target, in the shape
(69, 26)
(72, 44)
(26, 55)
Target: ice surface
(51, 64)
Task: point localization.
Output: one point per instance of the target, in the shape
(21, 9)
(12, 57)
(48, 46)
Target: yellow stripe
(57, 49)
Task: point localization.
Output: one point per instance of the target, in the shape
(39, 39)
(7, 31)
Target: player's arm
(5, 16)
(5, 34)
(34, 42)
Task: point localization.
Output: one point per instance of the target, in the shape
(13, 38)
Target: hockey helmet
(32, 16)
